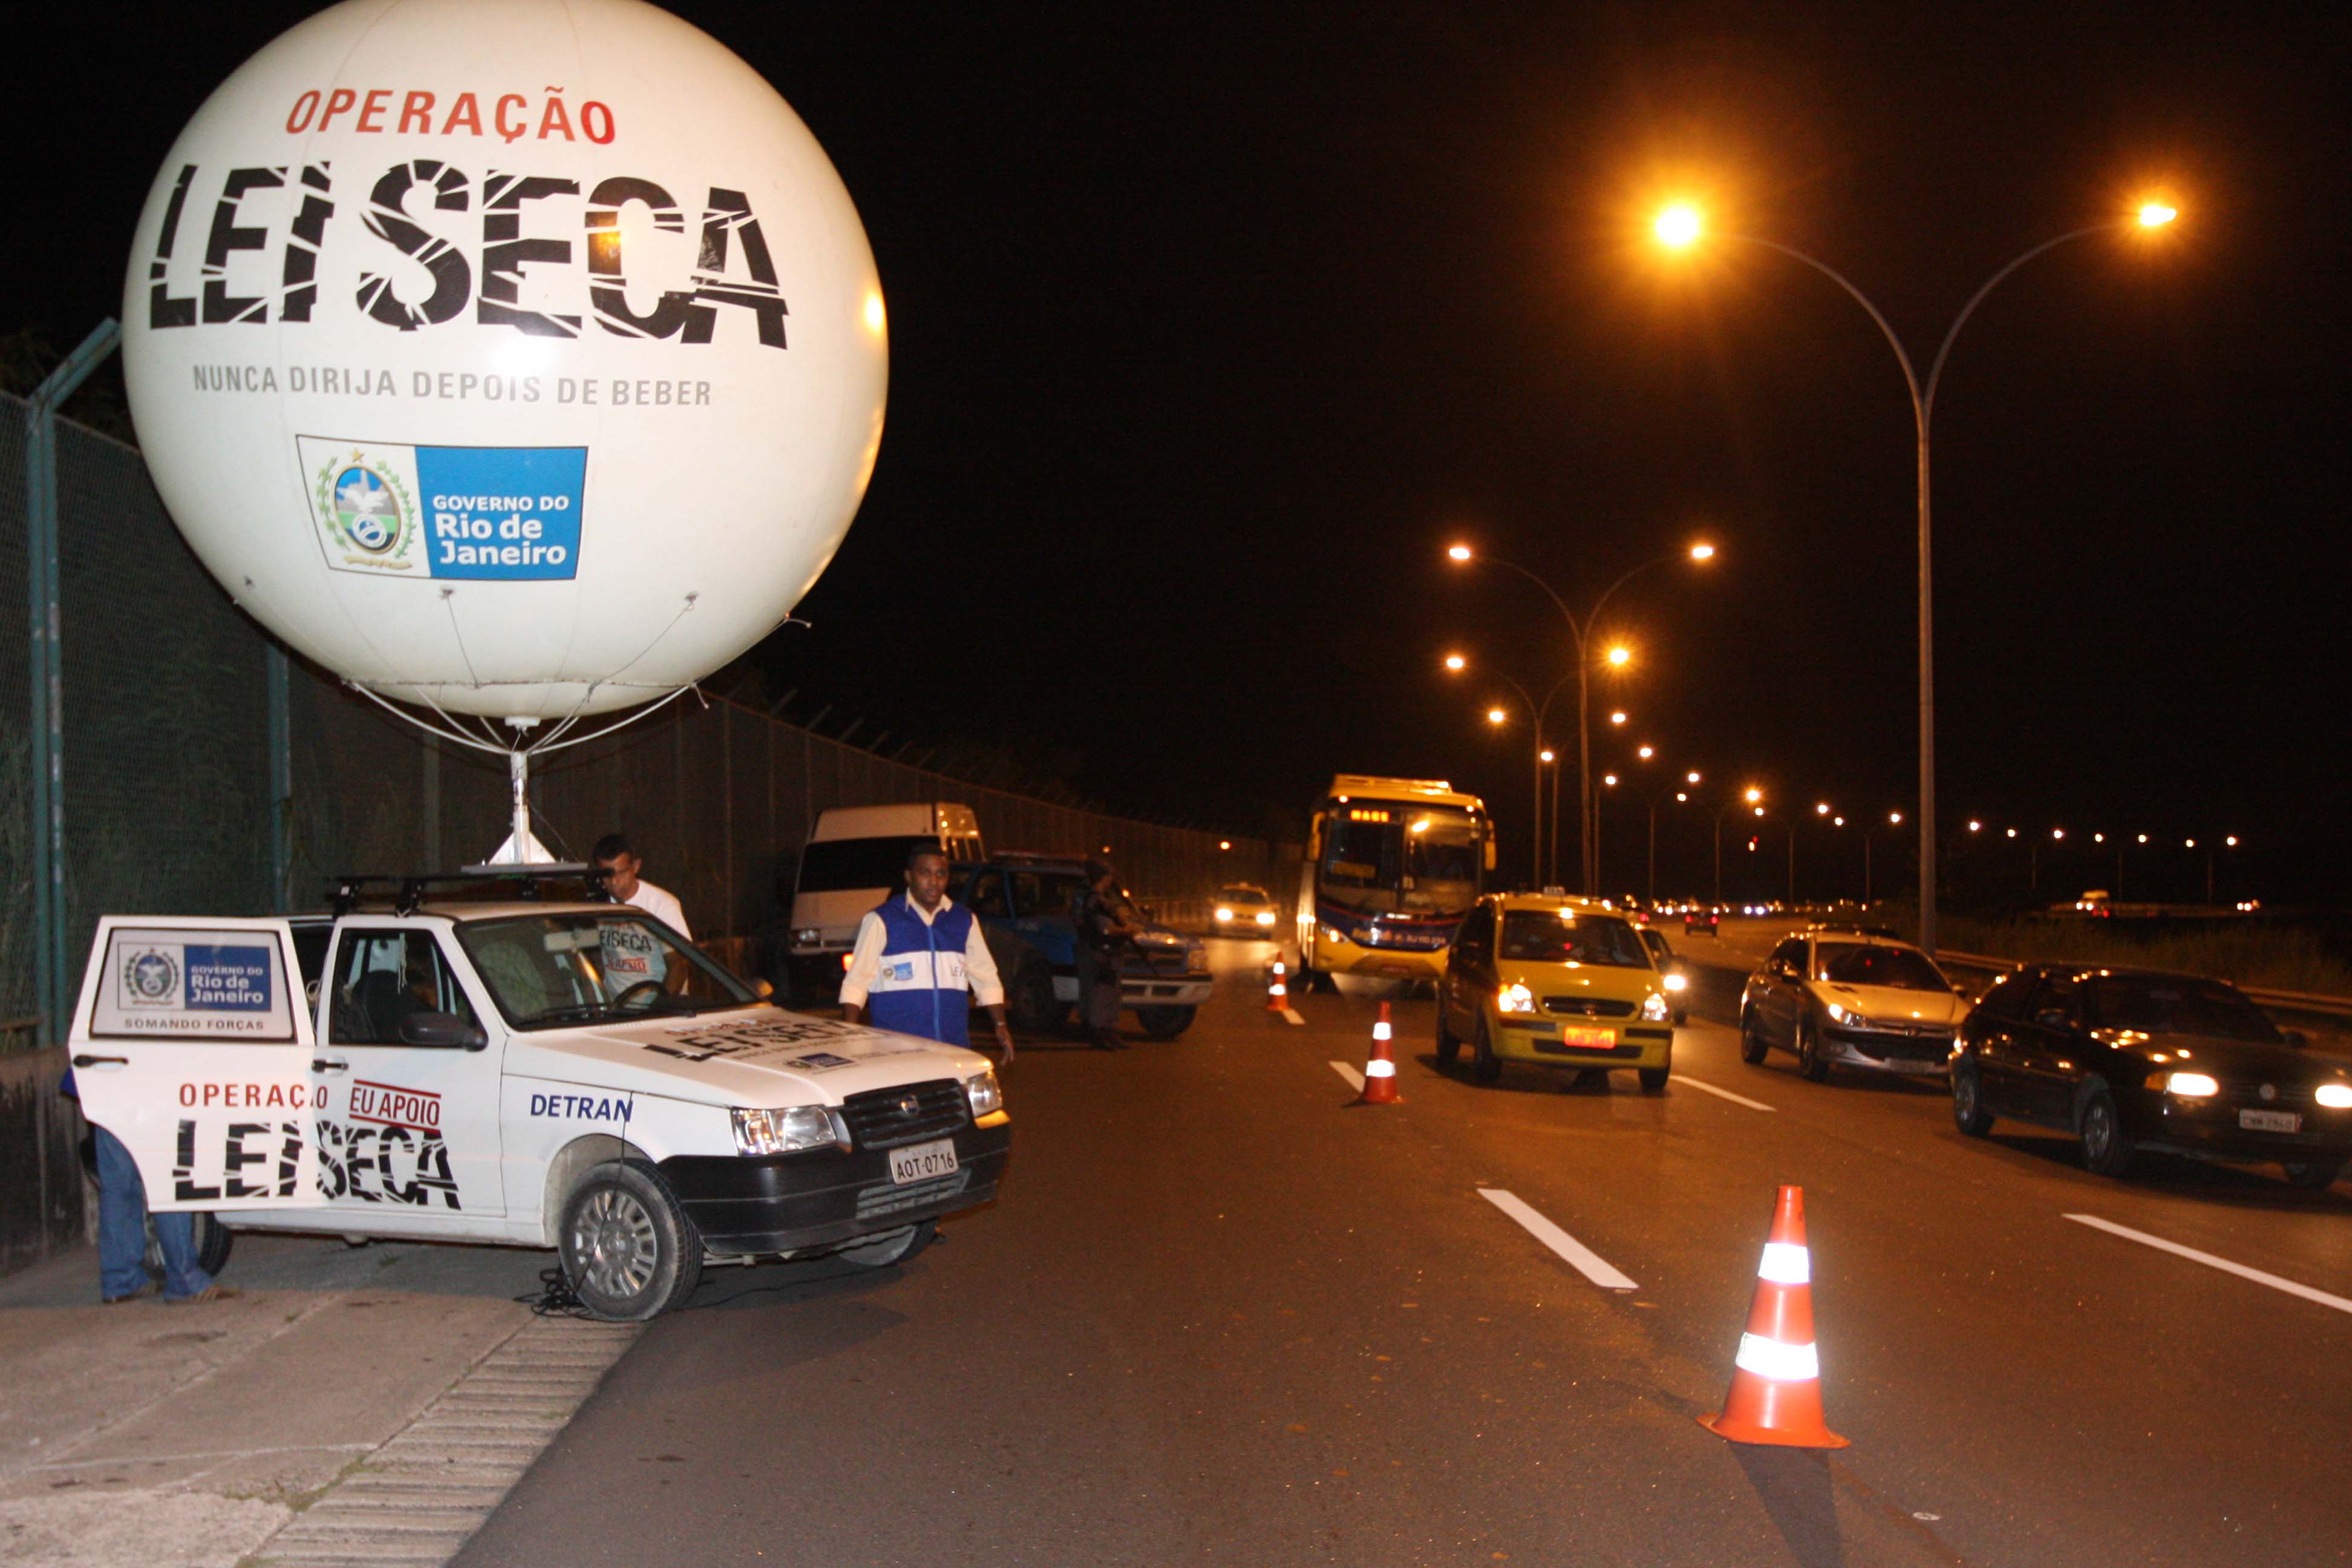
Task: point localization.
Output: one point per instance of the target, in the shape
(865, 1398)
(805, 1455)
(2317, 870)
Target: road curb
(414, 1501)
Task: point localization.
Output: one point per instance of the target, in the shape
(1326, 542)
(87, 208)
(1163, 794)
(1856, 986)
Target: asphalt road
(1220, 1316)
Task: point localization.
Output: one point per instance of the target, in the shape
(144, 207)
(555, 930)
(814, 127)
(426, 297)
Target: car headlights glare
(1224, 913)
(1653, 1007)
(1265, 917)
(785, 1131)
(2335, 1096)
(1676, 983)
(986, 1095)
(1515, 998)
(1848, 1016)
(807, 936)
(2190, 1085)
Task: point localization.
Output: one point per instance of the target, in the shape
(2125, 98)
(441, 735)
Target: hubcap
(2098, 1132)
(614, 1243)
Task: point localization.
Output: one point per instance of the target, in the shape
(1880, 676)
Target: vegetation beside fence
(2267, 957)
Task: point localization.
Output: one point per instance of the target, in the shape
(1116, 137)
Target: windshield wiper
(567, 1010)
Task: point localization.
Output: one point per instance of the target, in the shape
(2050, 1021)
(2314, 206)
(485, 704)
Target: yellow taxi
(1557, 981)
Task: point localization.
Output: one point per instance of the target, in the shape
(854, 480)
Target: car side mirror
(763, 989)
(445, 1031)
(2296, 1038)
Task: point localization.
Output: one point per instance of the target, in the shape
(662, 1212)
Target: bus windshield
(1393, 859)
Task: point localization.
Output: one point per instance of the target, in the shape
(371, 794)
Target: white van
(855, 857)
(541, 1074)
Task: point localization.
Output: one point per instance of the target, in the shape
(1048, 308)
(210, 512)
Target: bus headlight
(786, 1131)
(1653, 1008)
(1515, 998)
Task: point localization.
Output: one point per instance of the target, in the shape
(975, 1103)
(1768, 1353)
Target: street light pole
(1577, 630)
(1537, 712)
(1680, 226)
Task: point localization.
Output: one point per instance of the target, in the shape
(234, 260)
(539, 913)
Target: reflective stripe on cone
(1380, 1068)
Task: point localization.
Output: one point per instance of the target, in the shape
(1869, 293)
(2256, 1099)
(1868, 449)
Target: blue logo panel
(502, 513)
(228, 979)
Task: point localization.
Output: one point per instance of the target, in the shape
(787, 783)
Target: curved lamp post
(1455, 663)
(1679, 226)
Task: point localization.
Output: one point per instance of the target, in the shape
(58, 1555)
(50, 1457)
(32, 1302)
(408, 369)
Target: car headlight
(1196, 957)
(1847, 1017)
(807, 936)
(2190, 1085)
(783, 1131)
(1265, 917)
(1653, 1007)
(986, 1095)
(1515, 998)
(1676, 983)
(1224, 914)
(2335, 1096)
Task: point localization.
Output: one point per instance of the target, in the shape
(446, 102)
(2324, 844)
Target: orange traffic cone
(1776, 1379)
(1277, 994)
(1380, 1068)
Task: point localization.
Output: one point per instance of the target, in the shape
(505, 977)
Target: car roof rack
(410, 888)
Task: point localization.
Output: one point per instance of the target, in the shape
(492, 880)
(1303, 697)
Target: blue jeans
(122, 1231)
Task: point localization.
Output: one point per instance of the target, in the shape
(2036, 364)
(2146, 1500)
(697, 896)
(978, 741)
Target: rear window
(1538, 936)
(841, 864)
(1896, 968)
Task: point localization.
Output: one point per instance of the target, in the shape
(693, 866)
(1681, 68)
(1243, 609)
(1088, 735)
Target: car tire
(1810, 1061)
(1449, 1044)
(1654, 1079)
(2316, 1175)
(629, 1252)
(1165, 1023)
(1484, 1065)
(1032, 1006)
(213, 1241)
(1969, 1113)
(2105, 1151)
(1753, 1047)
(902, 1247)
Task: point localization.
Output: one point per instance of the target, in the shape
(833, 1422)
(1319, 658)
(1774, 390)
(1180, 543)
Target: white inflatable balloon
(521, 357)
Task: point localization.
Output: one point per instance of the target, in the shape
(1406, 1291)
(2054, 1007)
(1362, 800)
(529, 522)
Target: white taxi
(566, 1075)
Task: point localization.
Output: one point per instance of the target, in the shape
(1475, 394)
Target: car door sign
(167, 981)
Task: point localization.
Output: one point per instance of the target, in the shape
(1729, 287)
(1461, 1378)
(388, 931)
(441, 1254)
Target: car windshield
(2166, 1005)
(1251, 895)
(1896, 968)
(844, 865)
(547, 971)
(1541, 936)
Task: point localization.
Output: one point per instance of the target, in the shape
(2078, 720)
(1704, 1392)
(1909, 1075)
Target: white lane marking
(1581, 1258)
(2207, 1259)
(1355, 1079)
(1290, 1015)
(1701, 1083)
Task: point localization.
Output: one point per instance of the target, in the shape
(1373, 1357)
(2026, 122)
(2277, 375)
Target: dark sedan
(2131, 1059)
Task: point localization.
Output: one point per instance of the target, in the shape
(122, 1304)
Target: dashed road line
(1700, 1083)
(1355, 1079)
(2210, 1261)
(1290, 1015)
(1581, 1258)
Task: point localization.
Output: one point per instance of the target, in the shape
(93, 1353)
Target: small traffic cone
(1380, 1068)
(1277, 994)
(1776, 1379)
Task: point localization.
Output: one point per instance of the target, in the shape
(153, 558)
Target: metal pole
(1534, 811)
(1583, 768)
(1652, 895)
(1865, 868)
(1718, 856)
(47, 715)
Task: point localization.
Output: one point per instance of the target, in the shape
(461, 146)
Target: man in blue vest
(919, 962)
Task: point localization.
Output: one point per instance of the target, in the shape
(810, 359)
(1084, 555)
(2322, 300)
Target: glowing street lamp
(1618, 717)
(1678, 227)
(1619, 657)
(1496, 716)
(1646, 752)
(1822, 809)
(1458, 551)
(1752, 794)
(1456, 663)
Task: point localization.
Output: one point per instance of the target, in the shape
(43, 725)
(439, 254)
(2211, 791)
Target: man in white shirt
(921, 961)
(620, 865)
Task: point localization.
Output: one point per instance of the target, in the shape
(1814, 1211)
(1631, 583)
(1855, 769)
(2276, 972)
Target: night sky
(1210, 332)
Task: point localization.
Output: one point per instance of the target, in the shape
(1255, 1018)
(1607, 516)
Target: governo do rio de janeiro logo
(370, 515)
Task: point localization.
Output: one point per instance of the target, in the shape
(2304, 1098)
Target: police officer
(920, 959)
(1101, 932)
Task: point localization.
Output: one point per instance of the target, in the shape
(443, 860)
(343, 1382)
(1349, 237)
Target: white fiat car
(566, 1075)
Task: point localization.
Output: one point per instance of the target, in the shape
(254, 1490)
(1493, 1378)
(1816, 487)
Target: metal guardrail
(2285, 1001)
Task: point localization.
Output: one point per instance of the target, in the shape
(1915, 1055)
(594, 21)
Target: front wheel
(1969, 1113)
(1654, 1079)
(627, 1249)
(2314, 1174)
(1811, 1060)
(1484, 1065)
(1752, 1046)
(2105, 1151)
(899, 1247)
(1164, 1023)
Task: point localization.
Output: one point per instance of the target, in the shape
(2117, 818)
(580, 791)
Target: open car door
(192, 1043)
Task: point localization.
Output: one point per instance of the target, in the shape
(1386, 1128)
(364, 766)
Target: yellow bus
(1392, 867)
